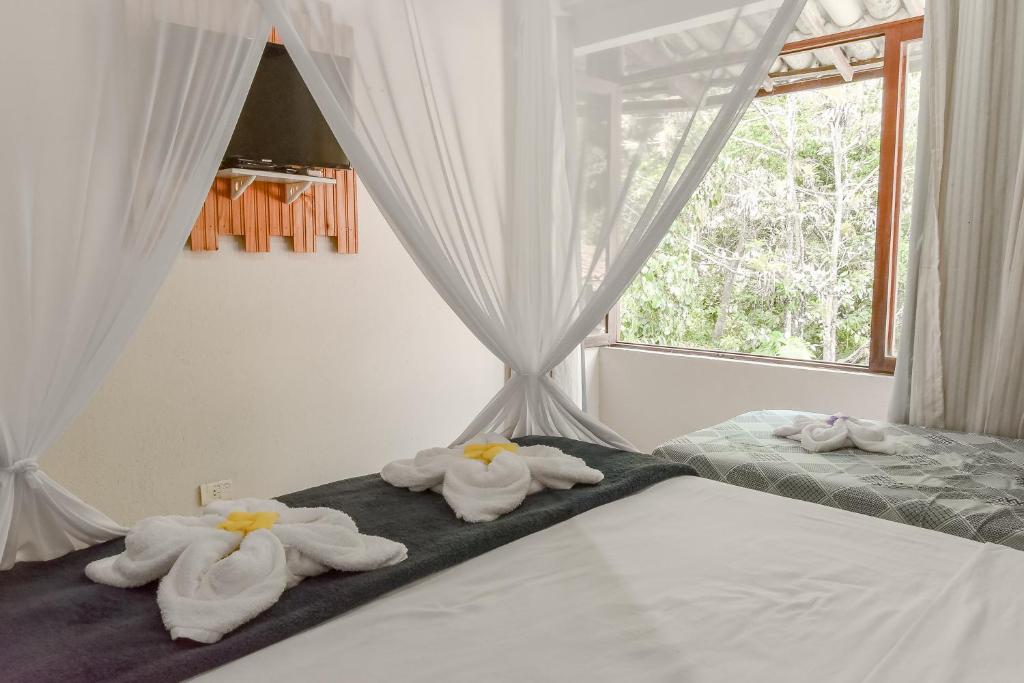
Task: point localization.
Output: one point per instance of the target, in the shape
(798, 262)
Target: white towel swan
(489, 476)
(817, 433)
(221, 569)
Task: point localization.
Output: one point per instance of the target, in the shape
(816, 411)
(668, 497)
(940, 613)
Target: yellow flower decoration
(486, 452)
(246, 522)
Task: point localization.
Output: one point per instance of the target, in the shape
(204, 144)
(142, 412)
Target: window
(795, 244)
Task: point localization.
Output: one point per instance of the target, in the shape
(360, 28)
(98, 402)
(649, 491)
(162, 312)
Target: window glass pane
(912, 98)
(774, 254)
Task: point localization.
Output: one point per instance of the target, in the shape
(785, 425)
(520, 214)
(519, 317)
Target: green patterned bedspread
(968, 485)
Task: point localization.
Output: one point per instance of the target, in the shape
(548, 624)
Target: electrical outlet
(214, 490)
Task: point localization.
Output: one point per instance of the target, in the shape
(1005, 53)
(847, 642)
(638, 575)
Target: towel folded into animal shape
(489, 476)
(221, 569)
(818, 434)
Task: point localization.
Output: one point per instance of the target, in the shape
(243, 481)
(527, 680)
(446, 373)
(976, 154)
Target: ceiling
(824, 17)
(638, 45)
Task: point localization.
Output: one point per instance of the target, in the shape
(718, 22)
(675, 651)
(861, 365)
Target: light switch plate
(214, 490)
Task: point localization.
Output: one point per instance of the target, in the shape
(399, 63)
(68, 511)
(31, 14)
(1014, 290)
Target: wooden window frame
(896, 36)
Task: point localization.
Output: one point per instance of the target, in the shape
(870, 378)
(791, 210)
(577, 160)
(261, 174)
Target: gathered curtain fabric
(961, 357)
(115, 115)
(531, 154)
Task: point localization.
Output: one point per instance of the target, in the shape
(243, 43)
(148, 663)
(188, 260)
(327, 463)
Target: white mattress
(691, 580)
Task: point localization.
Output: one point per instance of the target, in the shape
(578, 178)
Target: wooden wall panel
(235, 222)
(275, 195)
(210, 218)
(198, 239)
(299, 234)
(348, 232)
(260, 214)
(319, 211)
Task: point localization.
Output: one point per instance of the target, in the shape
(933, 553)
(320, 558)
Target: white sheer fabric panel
(961, 357)
(531, 154)
(115, 115)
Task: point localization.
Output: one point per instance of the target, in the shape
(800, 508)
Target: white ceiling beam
(686, 87)
(695, 65)
(841, 63)
(673, 104)
(811, 16)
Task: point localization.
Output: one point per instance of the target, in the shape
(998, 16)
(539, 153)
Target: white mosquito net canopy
(530, 155)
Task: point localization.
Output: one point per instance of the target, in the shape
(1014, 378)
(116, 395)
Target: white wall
(652, 396)
(279, 371)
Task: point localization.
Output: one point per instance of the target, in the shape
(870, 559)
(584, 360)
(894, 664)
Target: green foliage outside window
(774, 253)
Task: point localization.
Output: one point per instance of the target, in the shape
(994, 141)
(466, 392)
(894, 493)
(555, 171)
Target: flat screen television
(281, 126)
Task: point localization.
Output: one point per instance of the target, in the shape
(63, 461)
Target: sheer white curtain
(114, 117)
(961, 358)
(531, 154)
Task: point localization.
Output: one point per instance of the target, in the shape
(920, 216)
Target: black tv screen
(280, 124)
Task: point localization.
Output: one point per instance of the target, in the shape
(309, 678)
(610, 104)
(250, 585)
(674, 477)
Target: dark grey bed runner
(56, 625)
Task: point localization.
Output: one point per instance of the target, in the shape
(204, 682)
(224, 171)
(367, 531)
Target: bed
(967, 485)
(691, 580)
(682, 579)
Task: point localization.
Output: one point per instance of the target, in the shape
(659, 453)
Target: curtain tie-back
(21, 467)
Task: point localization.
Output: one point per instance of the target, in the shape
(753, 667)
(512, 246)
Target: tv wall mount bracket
(295, 183)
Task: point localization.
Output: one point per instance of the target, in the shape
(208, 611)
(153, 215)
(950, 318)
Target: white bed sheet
(691, 580)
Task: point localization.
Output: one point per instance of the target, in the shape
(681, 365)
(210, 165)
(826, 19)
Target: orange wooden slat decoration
(197, 239)
(353, 224)
(351, 215)
(341, 201)
(298, 226)
(275, 197)
(320, 210)
(274, 37)
(330, 206)
(237, 225)
(261, 213)
(210, 220)
(305, 204)
(248, 202)
(343, 198)
(309, 217)
(260, 198)
(287, 229)
(222, 190)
